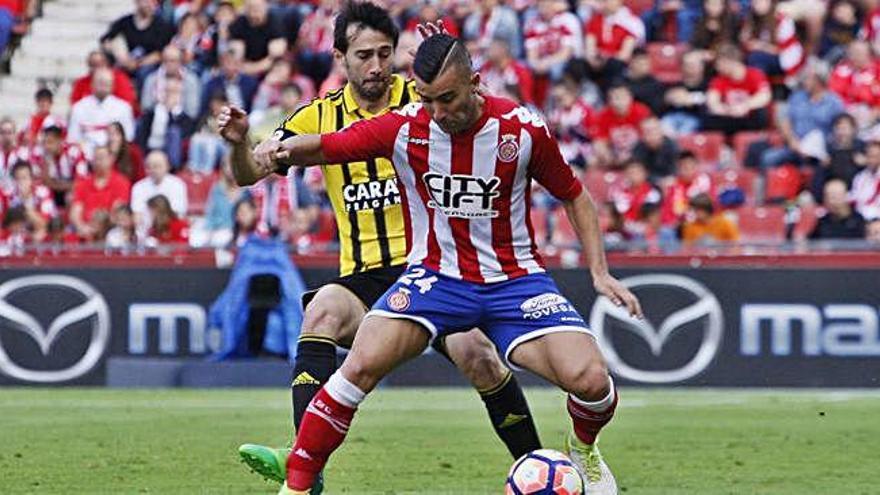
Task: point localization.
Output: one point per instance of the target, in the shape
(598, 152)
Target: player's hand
(427, 30)
(267, 154)
(611, 288)
(233, 124)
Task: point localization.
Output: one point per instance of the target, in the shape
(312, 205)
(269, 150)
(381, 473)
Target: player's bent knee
(359, 371)
(587, 381)
(476, 358)
(321, 320)
(484, 371)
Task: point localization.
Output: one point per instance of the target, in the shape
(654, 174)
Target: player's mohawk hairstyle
(438, 52)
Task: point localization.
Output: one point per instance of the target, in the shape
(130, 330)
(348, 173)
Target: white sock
(600, 405)
(343, 391)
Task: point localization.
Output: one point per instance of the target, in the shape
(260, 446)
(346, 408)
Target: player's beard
(372, 89)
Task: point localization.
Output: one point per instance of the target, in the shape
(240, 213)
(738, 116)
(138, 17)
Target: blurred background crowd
(691, 122)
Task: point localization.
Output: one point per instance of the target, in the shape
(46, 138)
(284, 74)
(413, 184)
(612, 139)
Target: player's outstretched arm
(247, 167)
(582, 214)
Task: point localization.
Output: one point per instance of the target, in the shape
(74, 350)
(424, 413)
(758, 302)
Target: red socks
(322, 431)
(589, 417)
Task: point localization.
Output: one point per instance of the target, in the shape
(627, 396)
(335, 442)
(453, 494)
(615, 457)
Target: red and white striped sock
(589, 417)
(322, 431)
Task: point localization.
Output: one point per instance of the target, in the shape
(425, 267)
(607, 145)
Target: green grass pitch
(675, 441)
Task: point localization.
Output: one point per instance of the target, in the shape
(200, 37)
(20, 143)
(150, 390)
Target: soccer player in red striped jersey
(464, 163)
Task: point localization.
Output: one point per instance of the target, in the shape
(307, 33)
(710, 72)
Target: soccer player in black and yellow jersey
(372, 238)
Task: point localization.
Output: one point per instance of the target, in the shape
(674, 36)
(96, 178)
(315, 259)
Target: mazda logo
(704, 308)
(93, 309)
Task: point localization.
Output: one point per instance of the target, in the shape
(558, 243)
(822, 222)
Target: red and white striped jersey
(70, 164)
(466, 195)
(548, 38)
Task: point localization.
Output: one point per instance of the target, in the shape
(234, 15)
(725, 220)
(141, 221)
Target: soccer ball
(544, 472)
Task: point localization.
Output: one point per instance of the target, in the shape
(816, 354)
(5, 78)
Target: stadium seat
(666, 61)
(809, 216)
(783, 183)
(563, 233)
(742, 178)
(761, 224)
(742, 140)
(198, 188)
(706, 146)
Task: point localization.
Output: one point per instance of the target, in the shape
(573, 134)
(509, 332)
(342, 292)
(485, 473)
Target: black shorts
(368, 285)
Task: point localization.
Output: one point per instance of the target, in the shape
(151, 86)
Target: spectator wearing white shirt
(158, 181)
(91, 116)
(865, 192)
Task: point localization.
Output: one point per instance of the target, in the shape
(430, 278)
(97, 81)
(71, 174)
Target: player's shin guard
(322, 431)
(315, 362)
(511, 417)
(589, 417)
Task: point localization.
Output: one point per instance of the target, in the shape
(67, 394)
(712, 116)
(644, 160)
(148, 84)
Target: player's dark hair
(366, 14)
(438, 52)
(872, 144)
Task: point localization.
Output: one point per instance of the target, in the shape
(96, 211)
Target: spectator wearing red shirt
(99, 192)
(688, 183)
(552, 39)
(12, 11)
(739, 96)
(571, 119)
(616, 129)
(122, 85)
(856, 80)
(504, 76)
(42, 118)
(635, 192)
(35, 199)
(612, 34)
(57, 163)
(167, 228)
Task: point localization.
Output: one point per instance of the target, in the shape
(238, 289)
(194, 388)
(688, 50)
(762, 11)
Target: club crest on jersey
(399, 301)
(508, 149)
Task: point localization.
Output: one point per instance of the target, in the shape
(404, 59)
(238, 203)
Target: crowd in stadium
(690, 122)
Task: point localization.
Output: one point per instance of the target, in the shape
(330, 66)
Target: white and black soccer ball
(544, 472)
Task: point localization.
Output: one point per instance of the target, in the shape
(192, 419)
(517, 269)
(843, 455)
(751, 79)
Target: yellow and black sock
(511, 417)
(315, 362)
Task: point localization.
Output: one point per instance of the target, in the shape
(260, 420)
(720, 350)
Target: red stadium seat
(809, 216)
(743, 178)
(666, 60)
(198, 188)
(742, 140)
(761, 223)
(783, 183)
(563, 233)
(706, 146)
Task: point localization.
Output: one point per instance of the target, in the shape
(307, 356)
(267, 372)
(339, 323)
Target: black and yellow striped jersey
(364, 195)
